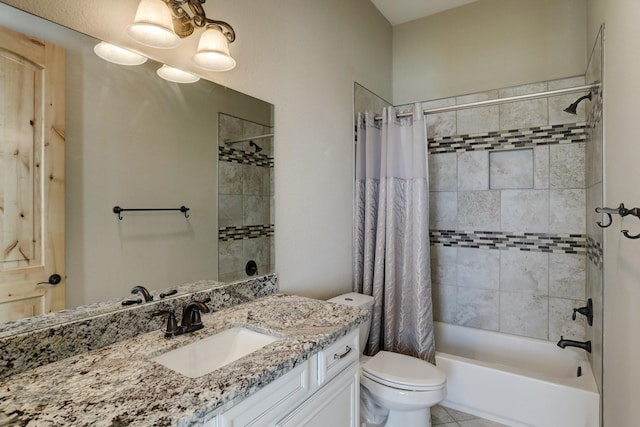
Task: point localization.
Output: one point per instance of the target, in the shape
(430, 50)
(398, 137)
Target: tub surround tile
(532, 209)
(478, 268)
(40, 340)
(443, 172)
(440, 124)
(473, 171)
(525, 210)
(444, 265)
(567, 275)
(526, 272)
(511, 169)
(560, 322)
(443, 209)
(566, 166)
(444, 303)
(567, 211)
(522, 114)
(478, 210)
(541, 167)
(478, 120)
(119, 385)
(478, 308)
(524, 314)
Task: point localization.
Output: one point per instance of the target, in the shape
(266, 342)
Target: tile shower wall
(507, 212)
(245, 199)
(593, 183)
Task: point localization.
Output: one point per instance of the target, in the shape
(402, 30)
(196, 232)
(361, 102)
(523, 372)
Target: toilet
(405, 386)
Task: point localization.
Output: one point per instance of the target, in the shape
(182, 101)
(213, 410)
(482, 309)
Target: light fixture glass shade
(213, 51)
(118, 55)
(153, 25)
(176, 75)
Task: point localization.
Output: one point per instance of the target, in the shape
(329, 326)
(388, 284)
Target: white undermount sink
(211, 353)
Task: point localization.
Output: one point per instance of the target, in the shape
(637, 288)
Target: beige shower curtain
(391, 232)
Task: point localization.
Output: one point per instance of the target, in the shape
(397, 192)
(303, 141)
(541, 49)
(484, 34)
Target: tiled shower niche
(507, 212)
(245, 197)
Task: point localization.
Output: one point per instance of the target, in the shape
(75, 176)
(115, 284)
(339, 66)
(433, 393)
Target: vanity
(307, 376)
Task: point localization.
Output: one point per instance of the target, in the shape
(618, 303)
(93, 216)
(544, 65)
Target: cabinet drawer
(338, 356)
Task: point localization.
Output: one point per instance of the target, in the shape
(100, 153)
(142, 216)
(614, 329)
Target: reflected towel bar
(118, 210)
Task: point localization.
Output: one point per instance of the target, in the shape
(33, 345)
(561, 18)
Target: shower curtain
(391, 235)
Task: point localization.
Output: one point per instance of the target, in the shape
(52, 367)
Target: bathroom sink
(214, 352)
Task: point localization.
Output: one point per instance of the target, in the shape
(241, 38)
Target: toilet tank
(355, 299)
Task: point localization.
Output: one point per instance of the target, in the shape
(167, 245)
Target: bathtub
(515, 380)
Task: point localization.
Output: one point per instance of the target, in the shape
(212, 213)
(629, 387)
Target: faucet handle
(172, 324)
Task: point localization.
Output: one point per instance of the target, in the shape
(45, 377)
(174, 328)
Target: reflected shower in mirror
(135, 140)
(245, 195)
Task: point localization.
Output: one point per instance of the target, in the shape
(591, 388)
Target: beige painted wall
(486, 45)
(302, 56)
(621, 255)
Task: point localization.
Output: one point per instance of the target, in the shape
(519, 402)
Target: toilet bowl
(405, 386)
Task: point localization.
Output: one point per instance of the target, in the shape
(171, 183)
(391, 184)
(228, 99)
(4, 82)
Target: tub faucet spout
(586, 345)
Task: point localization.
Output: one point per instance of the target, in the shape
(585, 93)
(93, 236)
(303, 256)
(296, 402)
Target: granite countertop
(119, 385)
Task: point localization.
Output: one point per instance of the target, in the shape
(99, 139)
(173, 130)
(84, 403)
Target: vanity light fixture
(118, 55)
(176, 75)
(162, 23)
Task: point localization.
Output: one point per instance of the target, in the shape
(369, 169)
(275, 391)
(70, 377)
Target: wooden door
(32, 132)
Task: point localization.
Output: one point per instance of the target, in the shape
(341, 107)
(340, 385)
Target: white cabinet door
(267, 405)
(337, 404)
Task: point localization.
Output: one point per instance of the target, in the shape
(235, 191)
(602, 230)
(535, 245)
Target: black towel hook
(622, 211)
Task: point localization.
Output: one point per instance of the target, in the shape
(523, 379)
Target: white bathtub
(514, 380)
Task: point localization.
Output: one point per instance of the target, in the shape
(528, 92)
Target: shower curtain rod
(249, 138)
(500, 100)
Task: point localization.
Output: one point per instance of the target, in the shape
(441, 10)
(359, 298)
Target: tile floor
(447, 417)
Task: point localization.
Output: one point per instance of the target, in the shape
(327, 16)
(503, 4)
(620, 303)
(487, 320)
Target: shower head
(256, 146)
(572, 109)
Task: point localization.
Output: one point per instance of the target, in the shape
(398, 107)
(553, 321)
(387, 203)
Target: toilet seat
(403, 372)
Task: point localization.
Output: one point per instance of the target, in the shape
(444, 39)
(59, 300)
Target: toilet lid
(401, 371)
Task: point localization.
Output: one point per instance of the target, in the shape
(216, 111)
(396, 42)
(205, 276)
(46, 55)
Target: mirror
(136, 141)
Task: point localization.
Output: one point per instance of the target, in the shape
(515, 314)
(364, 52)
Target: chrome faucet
(145, 293)
(586, 345)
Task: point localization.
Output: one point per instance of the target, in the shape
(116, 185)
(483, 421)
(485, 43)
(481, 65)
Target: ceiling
(401, 11)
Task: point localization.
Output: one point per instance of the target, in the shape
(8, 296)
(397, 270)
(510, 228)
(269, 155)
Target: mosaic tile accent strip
(594, 252)
(245, 232)
(232, 155)
(533, 242)
(518, 138)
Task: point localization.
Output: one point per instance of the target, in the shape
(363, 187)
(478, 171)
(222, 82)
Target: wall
(621, 154)
(488, 44)
(303, 61)
(507, 212)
